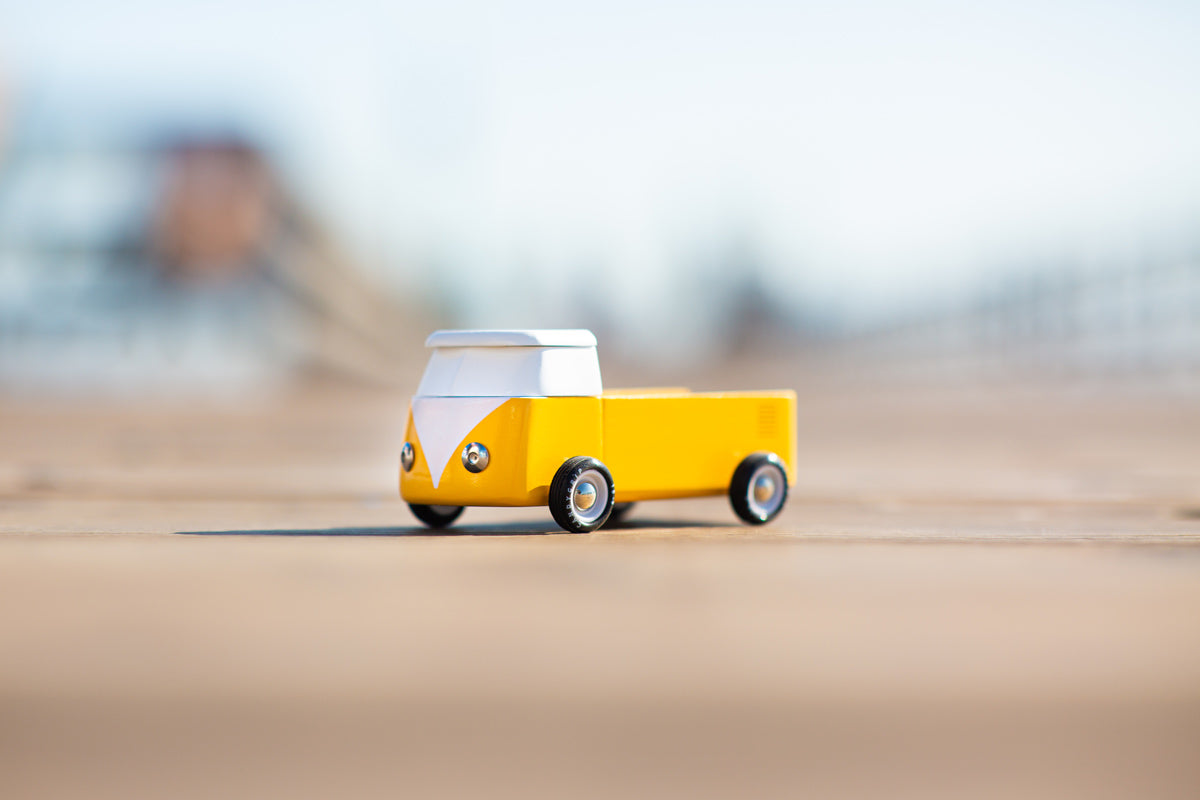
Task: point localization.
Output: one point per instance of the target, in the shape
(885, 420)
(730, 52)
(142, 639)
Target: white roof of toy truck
(577, 337)
(512, 363)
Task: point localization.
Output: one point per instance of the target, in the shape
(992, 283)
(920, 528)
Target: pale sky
(875, 152)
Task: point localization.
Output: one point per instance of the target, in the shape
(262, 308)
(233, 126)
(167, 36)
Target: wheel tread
(559, 500)
(433, 518)
(739, 487)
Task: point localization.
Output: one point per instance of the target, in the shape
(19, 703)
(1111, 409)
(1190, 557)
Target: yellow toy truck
(519, 418)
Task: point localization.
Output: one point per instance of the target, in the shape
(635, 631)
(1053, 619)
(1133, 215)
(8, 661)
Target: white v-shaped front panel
(443, 422)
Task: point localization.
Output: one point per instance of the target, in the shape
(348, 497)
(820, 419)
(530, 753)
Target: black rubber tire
(562, 487)
(739, 488)
(433, 516)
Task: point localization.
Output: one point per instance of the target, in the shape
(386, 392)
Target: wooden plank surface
(987, 591)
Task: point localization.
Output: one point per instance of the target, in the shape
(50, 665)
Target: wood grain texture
(975, 591)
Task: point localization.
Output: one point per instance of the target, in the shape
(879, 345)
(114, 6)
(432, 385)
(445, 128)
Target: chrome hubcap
(585, 496)
(589, 496)
(766, 490)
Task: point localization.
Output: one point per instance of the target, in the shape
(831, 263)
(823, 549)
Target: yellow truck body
(520, 418)
(657, 444)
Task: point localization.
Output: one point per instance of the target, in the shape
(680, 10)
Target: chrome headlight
(408, 456)
(475, 457)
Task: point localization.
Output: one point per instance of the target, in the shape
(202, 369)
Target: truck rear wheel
(435, 516)
(581, 495)
(759, 488)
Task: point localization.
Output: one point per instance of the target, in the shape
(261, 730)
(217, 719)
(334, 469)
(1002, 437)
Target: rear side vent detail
(768, 419)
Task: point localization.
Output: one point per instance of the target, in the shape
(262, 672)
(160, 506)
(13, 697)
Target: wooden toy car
(519, 418)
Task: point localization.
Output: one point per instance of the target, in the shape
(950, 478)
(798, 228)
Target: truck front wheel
(435, 516)
(581, 495)
(759, 488)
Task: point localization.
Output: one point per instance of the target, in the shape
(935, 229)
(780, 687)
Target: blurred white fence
(1123, 323)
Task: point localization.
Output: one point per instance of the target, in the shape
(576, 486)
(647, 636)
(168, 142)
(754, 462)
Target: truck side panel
(687, 445)
(657, 445)
(559, 428)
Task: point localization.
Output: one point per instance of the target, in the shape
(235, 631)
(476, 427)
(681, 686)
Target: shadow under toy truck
(519, 418)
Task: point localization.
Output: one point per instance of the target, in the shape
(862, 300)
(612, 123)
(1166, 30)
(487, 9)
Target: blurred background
(222, 195)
